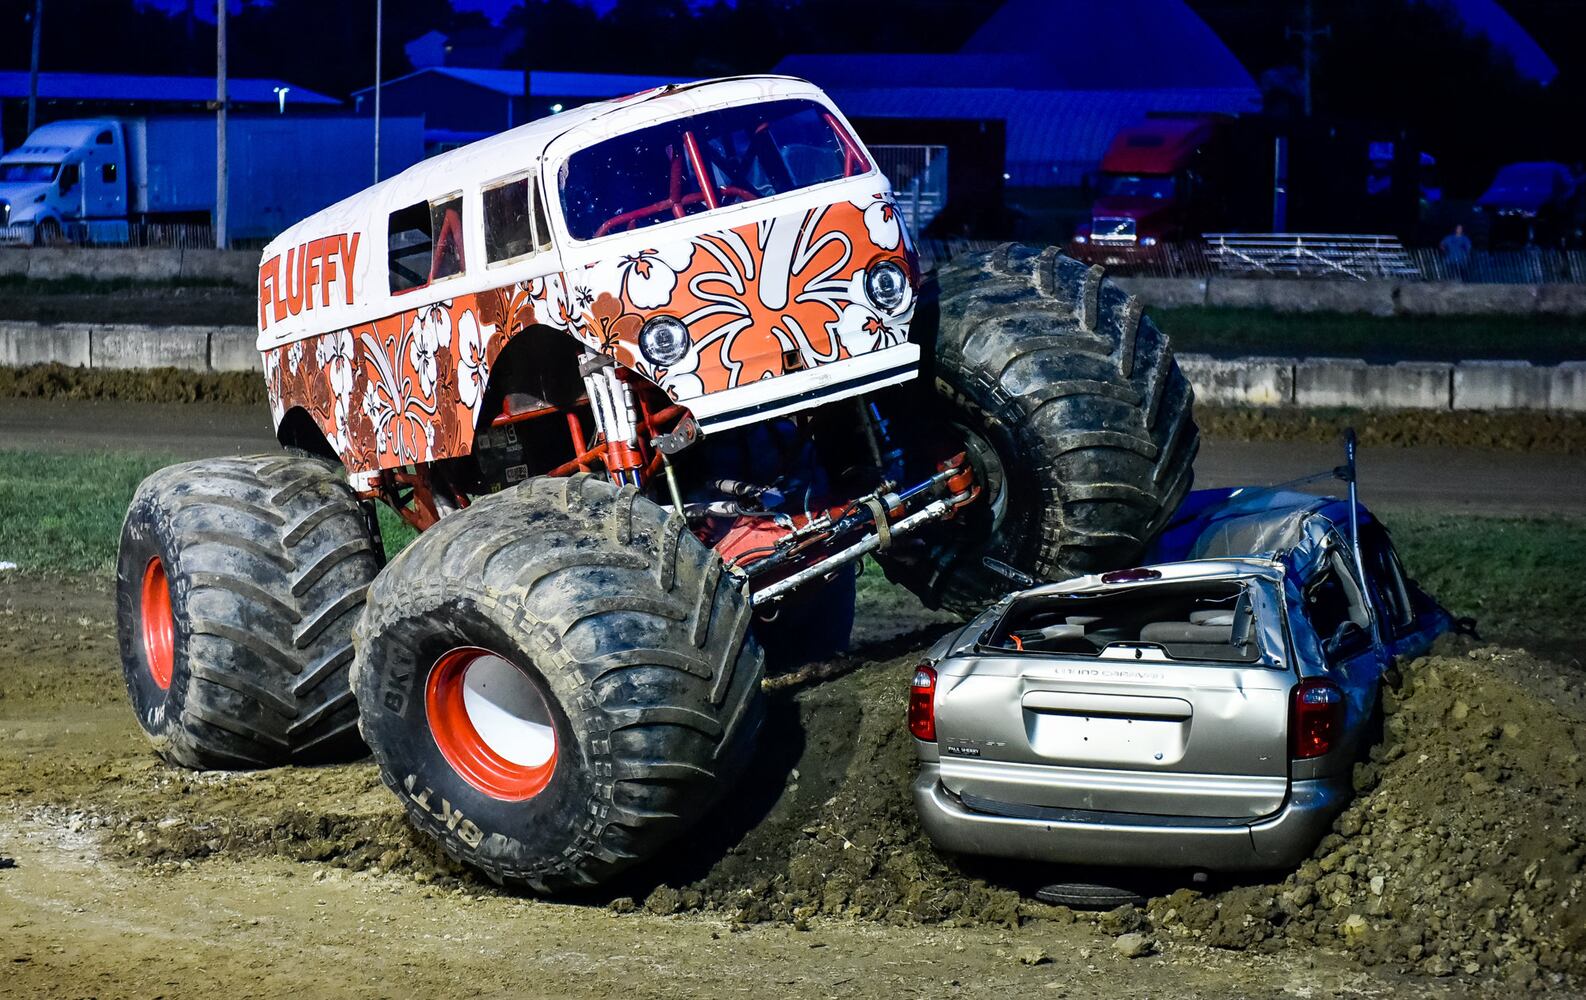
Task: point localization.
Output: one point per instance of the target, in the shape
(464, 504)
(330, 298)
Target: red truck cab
(1153, 184)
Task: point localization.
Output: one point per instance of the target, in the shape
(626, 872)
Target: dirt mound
(154, 385)
(1465, 848)
(1463, 853)
(1552, 433)
(839, 836)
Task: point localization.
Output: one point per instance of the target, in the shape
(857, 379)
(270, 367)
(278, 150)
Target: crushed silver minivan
(1200, 712)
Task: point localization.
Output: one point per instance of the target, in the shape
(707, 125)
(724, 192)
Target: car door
(1338, 611)
(1410, 619)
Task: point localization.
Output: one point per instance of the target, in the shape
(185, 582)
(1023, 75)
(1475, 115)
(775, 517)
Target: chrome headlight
(886, 284)
(663, 341)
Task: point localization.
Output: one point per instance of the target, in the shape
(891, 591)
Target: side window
(542, 230)
(446, 222)
(1387, 580)
(1333, 602)
(104, 138)
(424, 243)
(509, 224)
(71, 173)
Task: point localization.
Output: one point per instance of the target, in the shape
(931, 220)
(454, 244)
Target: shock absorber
(611, 400)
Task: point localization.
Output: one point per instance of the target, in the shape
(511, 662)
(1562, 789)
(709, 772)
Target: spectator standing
(1456, 251)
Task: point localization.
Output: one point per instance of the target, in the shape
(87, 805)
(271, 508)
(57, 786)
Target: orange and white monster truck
(642, 373)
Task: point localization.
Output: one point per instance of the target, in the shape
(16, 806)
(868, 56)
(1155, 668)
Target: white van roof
(517, 150)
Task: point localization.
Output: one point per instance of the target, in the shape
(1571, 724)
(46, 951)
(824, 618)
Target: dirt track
(133, 879)
(1471, 480)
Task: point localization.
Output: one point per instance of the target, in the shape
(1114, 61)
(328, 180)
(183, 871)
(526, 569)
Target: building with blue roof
(85, 95)
(460, 104)
(1062, 76)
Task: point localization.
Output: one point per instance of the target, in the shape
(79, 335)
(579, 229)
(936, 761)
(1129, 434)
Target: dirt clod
(1133, 945)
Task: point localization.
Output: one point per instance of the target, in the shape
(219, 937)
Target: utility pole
(33, 69)
(1308, 34)
(379, 39)
(222, 194)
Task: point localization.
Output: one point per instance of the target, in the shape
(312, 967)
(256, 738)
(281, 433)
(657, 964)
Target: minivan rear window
(711, 160)
(1188, 621)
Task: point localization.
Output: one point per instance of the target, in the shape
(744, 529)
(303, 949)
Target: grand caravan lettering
(290, 290)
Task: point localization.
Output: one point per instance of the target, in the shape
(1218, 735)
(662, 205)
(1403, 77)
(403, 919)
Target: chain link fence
(136, 235)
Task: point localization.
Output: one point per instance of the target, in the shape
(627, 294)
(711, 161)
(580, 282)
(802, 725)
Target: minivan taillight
(1317, 720)
(922, 704)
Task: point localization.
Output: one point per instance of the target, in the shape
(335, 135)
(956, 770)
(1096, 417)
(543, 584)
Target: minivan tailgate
(1166, 737)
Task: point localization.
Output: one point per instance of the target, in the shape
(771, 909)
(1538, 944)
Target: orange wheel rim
(159, 623)
(492, 722)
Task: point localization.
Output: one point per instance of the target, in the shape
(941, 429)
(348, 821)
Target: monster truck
(644, 375)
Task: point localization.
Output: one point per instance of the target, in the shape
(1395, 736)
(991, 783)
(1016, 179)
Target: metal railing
(1310, 255)
(1203, 260)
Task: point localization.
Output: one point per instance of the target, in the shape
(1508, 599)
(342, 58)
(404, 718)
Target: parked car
(1532, 203)
(1202, 712)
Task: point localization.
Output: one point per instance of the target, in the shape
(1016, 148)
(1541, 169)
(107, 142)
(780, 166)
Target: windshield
(1136, 186)
(653, 175)
(28, 173)
(1200, 620)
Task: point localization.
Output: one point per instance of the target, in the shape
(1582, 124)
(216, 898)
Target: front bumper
(16, 234)
(803, 390)
(1280, 840)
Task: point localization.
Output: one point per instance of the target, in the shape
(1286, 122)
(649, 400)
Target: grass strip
(1230, 332)
(1523, 578)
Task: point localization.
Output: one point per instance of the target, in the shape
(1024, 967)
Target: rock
(1354, 928)
(622, 904)
(664, 901)
(1031, 955)
(1121, 920)
(1133, 945)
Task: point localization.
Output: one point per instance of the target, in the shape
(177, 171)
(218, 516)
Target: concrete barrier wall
(113, 345)
(1249, 381)
(1375, 298)
(1408, 385)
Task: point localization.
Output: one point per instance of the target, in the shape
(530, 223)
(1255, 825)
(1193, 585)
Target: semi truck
(97, 179)
(1158, 183)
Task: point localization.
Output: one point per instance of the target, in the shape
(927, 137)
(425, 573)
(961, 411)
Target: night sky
(493, 9)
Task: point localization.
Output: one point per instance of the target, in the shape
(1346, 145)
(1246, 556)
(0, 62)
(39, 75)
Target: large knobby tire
(1077, 417)
(237, 586)
(557, 681)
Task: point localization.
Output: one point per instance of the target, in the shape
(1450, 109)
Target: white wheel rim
(508, 711)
